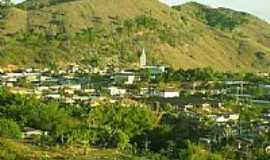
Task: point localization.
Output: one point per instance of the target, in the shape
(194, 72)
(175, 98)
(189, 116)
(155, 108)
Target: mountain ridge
(186, 36)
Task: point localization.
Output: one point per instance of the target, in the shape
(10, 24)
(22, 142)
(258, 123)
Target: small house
(169, 94)
(155, 71)
(31, 133)
(227, 118)
(115, 91)
(123, 77)
(267, 149)
(53, 96)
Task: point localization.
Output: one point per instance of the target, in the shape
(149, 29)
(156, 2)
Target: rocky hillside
(99, 32)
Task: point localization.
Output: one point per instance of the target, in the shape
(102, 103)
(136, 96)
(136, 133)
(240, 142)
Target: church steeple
(143, 59)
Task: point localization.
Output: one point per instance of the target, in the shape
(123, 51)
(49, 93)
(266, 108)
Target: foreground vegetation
(113, 131)
(19, 150)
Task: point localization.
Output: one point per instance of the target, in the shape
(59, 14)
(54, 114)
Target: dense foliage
(132, 128)
(220, 18)
(114, 126)
(4, 8)
(110, 126)
(9, 128)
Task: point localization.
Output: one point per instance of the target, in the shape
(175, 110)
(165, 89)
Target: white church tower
(143, 59)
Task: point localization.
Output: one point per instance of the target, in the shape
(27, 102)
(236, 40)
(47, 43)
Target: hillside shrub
(9, 129)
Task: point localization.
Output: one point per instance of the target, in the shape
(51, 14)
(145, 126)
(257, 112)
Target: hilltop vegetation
(220, 18)
(82, 31)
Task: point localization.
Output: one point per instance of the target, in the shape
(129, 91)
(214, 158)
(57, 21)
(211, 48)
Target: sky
(260, 8)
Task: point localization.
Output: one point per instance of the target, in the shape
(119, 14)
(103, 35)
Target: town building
(169, 94)
(115, 91)
(127, 78)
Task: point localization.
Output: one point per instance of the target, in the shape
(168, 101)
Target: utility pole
(240, 90)
(237, 95)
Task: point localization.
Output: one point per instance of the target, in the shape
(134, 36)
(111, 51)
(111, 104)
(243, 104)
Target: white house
(89, 90)
(30, 132)
(234, 117)
(221, 119)
(43, 88)
(115, 91)
(123, 77)
(155, 71)
(81, 98)
(74, 86)
(267, 149)
(131, 79)
(205, 105)
(69, 101)
(227, 118)
(169, 94)
(53, 96)
(187, 107)
(15, 75)
(144, 91)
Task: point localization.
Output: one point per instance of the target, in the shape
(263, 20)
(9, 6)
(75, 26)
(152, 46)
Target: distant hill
(99, 32)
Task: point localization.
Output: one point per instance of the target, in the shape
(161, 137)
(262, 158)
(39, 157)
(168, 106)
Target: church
(143, 59)
(153, 69)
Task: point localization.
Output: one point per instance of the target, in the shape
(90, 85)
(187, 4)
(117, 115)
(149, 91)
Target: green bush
(9, 129)
(260, 55)
(144, 21)
(195, 152)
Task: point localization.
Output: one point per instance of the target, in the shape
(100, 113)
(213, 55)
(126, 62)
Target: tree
(16, 107)
(195, 152)
(157, 139)
(5, 3)
(117, 124)
(52, 118)
(186, 128)
(4, 7)
(9, 129)
(259, 92)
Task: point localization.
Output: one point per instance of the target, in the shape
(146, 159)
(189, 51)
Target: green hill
(55, 32)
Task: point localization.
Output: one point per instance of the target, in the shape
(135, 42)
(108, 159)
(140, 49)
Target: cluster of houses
(81, 85)
(46, 84)
(77, 84)
(227, 124)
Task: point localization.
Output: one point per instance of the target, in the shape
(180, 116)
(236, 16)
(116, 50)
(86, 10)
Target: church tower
(143, 59)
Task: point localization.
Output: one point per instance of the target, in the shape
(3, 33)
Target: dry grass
(201, 45)
(25, 151)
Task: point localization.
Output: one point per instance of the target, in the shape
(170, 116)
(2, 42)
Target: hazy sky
(260, 8)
